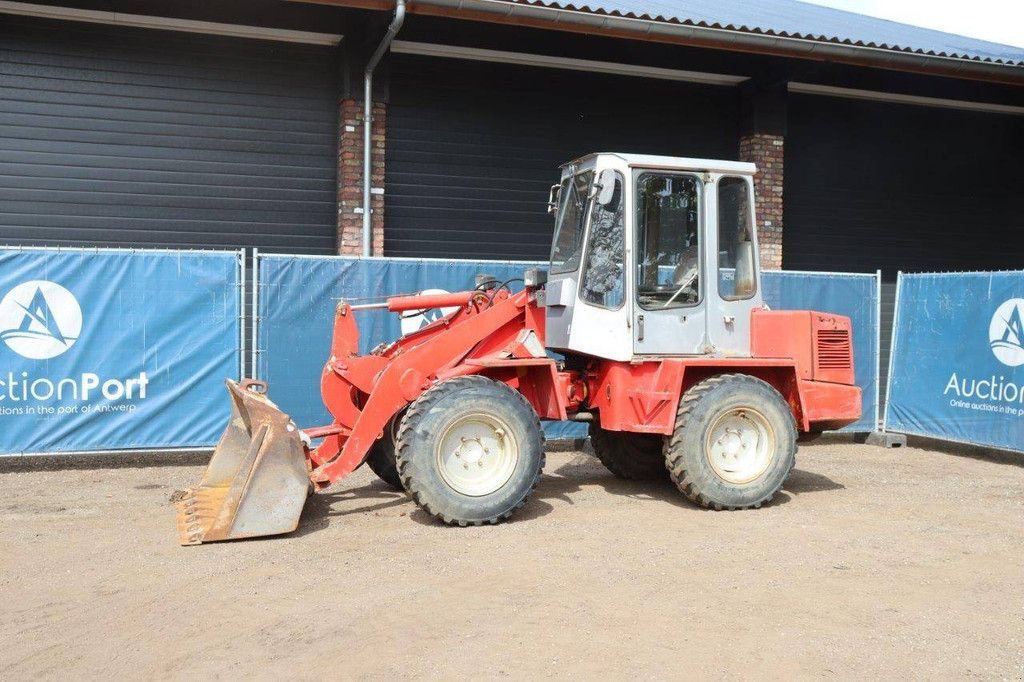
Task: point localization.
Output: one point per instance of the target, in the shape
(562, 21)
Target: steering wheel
(688, 279)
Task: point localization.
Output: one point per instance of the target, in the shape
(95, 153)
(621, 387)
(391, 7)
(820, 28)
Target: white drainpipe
(393, 29)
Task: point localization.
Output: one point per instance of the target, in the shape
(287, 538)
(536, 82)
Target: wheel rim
(740, 445)
(477, 454)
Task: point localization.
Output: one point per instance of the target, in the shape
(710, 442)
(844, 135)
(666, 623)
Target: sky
(1000, 21)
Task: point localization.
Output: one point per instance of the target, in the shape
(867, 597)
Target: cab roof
(673, 163)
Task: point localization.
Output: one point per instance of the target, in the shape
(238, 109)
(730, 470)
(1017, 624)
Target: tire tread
(630, 461)
(675, 459)
(417, 409)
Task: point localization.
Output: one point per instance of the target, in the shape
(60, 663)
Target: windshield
(570, 218)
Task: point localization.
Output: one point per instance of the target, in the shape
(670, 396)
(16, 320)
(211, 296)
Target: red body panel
(783, 334)
(819, 344)
(643, 397)
(501, 335)
(829, 406)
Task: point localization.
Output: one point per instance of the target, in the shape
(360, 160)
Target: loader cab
(652, 256)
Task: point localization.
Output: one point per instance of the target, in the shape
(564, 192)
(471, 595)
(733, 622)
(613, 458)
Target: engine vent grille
(834, 349)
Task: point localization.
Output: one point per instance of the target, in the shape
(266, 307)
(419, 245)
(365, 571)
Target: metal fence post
(241, 313)
(254, 348)
(878, 347)
(892, 348)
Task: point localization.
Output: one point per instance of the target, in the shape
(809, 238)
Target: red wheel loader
(652, 303)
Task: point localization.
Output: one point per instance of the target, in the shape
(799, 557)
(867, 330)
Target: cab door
(670, 266)
(731, 243)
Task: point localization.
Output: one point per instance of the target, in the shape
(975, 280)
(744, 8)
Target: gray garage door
(872, 185)
(133, 137)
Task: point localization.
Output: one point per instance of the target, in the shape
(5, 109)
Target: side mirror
(606, 187)
(553, 196)
(535, 278)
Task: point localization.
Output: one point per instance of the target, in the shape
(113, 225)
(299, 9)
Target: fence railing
(956, 369)
(858, 296)
(136, 344)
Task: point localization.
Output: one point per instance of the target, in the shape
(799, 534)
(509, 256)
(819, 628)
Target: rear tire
(632, 456)
(734, 442)
(470, 451)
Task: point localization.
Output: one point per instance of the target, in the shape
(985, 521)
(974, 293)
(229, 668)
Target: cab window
(603, 281)
(668, 241)
(736, 261)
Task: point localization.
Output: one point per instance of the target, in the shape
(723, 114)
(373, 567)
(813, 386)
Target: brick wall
(350, 177)
(767, 152)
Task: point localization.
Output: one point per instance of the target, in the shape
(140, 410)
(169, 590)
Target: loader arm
(384, 384)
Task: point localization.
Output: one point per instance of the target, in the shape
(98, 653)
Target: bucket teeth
(194, 518)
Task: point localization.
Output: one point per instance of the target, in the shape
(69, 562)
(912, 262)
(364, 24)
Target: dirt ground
(872, 563)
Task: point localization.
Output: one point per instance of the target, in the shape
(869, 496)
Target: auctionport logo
(1006, 333)
(996, 393)
(40, 320)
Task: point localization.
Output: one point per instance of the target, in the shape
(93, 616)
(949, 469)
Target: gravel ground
(872, 563)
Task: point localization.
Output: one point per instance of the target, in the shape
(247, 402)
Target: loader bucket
(257, 480)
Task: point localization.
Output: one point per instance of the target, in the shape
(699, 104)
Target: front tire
(470, 451)
(734, 442)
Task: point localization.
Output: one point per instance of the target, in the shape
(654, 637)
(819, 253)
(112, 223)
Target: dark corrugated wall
(131, 137)
(871, 185)
(473, 147)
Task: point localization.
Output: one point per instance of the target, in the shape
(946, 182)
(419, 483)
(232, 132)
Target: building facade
(240, 124)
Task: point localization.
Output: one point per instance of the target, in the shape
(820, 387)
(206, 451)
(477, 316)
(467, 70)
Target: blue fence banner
(957, 368)
(116, 349)
(853, 295)
(296, 296)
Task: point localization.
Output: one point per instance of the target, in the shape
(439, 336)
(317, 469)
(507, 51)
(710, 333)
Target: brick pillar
(767, 152)
(350, 177)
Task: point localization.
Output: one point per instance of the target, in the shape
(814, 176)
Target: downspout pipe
(393, 29)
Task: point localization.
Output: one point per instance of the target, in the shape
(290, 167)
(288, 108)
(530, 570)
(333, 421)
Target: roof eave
(552, 18)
